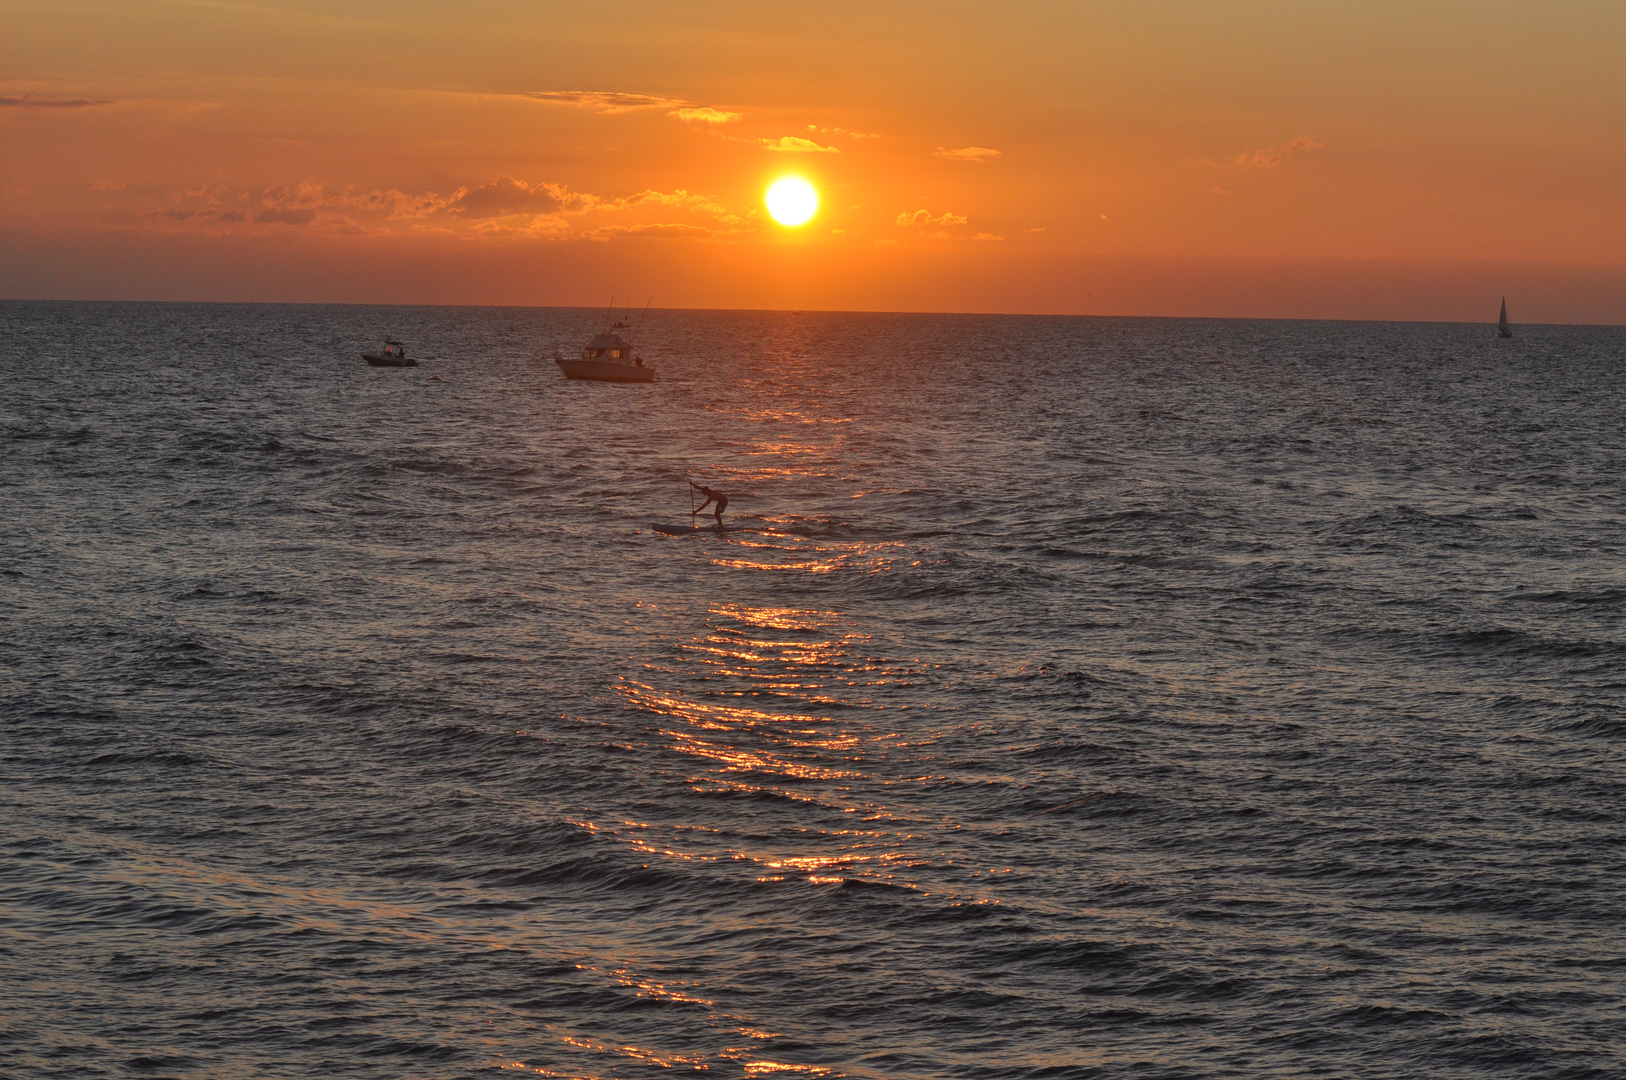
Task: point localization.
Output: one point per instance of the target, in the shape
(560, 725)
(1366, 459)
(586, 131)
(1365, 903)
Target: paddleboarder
(711, 497)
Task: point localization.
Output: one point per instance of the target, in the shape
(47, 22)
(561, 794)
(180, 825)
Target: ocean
(1066, 697)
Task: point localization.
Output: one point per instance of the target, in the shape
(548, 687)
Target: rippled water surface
(1067, 698)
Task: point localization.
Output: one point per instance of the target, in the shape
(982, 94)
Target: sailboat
(1501, 326)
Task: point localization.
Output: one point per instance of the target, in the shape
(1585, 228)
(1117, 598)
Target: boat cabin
(607, 357)
(607, 346)
(394, 349)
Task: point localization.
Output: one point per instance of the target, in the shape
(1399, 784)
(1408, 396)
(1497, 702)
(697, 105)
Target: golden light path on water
(777, 677)
(780, 702)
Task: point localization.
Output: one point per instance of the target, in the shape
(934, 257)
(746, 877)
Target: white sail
(1501, 324)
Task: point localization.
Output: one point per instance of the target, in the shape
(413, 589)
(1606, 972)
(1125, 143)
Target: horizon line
(809, 311)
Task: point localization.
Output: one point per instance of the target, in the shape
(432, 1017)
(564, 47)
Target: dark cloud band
(30, 102)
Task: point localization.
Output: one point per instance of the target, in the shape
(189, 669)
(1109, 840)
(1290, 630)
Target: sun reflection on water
(787, 716)
(768, 1068)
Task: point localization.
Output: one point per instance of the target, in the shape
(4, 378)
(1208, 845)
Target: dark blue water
(1073, 697)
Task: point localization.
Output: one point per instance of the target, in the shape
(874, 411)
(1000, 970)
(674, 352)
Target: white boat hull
(605, 371)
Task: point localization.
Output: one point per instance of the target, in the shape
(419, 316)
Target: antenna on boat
(632, 331)
(609, 310)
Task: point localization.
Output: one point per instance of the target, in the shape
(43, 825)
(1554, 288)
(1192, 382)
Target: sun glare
(792, 200)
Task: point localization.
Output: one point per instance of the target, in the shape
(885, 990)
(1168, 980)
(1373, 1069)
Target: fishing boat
(608, 357)
(1501, 326)
(393, 354)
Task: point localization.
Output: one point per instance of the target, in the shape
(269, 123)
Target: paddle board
(684, 530)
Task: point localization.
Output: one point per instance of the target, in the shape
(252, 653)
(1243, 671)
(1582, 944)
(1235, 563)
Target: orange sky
(1384, 160)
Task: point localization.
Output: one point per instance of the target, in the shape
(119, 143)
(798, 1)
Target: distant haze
(1250, 159)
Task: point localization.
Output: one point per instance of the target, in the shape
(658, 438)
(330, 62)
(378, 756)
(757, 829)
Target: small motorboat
(609, 357)
(393, 354)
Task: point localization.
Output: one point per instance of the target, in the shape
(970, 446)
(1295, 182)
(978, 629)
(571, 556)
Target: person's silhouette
(711, 497)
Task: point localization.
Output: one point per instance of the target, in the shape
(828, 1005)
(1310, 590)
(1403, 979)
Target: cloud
(651, 197)
(968, 153)
(655, 232)
(281, 216)
(182, 214)
(702, 203)
(987, 236)
(613, 103)
(817, 130)
(794, 144)
(279, 206)
(704, 114)
(1275, 155)
(607, 102)
(924, 217)
(29, 101)
(396, 203)
(501, 207)
(505, 197)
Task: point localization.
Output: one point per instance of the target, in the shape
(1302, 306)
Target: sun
(792, 200)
